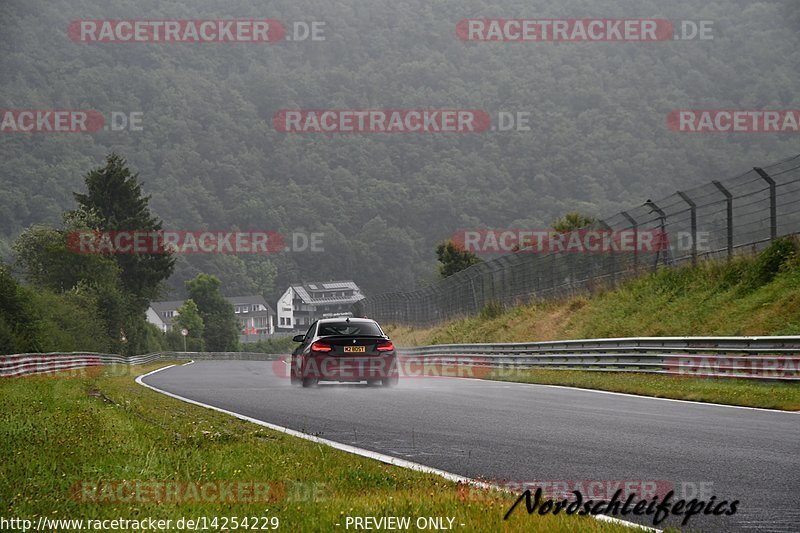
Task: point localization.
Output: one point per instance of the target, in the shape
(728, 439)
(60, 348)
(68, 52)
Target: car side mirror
(298, 338)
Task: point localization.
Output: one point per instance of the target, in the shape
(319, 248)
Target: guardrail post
(693, 223)
(773, 203)
(635, 226)
(729, 202)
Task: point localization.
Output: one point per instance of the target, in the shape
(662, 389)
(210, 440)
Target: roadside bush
(70, 322)
(281, 345)
(491, 310)
(142, 337)
(769, 263)
(20, 326)
(174, 341)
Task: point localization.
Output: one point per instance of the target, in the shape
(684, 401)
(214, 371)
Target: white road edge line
(191, 362)
(388, 459)
(707, 404)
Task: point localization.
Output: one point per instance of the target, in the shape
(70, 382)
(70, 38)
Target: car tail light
(320, 347)
(385, 346)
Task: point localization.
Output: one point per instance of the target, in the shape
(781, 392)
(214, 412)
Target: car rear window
(349, 328)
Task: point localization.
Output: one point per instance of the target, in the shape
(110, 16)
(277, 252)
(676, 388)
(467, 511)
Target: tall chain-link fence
(718, 219)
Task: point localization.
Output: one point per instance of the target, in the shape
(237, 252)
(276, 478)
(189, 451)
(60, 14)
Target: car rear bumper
(349, 368)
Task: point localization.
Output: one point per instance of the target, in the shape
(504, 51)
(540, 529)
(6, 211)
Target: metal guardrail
(737, 357)
(773, 358)
(44, 363)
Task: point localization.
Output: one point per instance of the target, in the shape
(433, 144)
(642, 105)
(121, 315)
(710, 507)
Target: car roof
(345, 319)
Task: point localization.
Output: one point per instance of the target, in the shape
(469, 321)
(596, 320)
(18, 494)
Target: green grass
(56, 432)
(767, 395)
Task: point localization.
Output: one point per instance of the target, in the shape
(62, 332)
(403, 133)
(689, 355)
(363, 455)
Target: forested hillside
(211, 159)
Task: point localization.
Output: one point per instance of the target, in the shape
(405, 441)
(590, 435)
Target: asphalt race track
(518, 432)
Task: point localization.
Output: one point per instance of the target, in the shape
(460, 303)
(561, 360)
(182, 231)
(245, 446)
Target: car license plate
(355, 349)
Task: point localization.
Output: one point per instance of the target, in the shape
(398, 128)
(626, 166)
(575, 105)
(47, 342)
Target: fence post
(773, 203)
(662, 223)
(605, 226)
(693, 223)
(492, 285)
(474, 294)
(729, 202)
(635, 226)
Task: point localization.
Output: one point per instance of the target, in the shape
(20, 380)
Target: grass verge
(65, 431)
(763, 394)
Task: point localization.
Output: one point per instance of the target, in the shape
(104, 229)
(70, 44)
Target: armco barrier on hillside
(717, 219)
(773, 358)
(45, 363)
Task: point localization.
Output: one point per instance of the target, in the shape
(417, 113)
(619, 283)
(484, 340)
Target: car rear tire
(390, 382)
(309, 382)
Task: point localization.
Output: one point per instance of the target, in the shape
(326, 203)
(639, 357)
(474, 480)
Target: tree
(43, 255)
(263, 274)
(190, 319)
(85, 300)
(572, 221)
(34, 319)
(221, 329)
(453, 258)
(116, 201)
(20, 327)
(47, 261)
